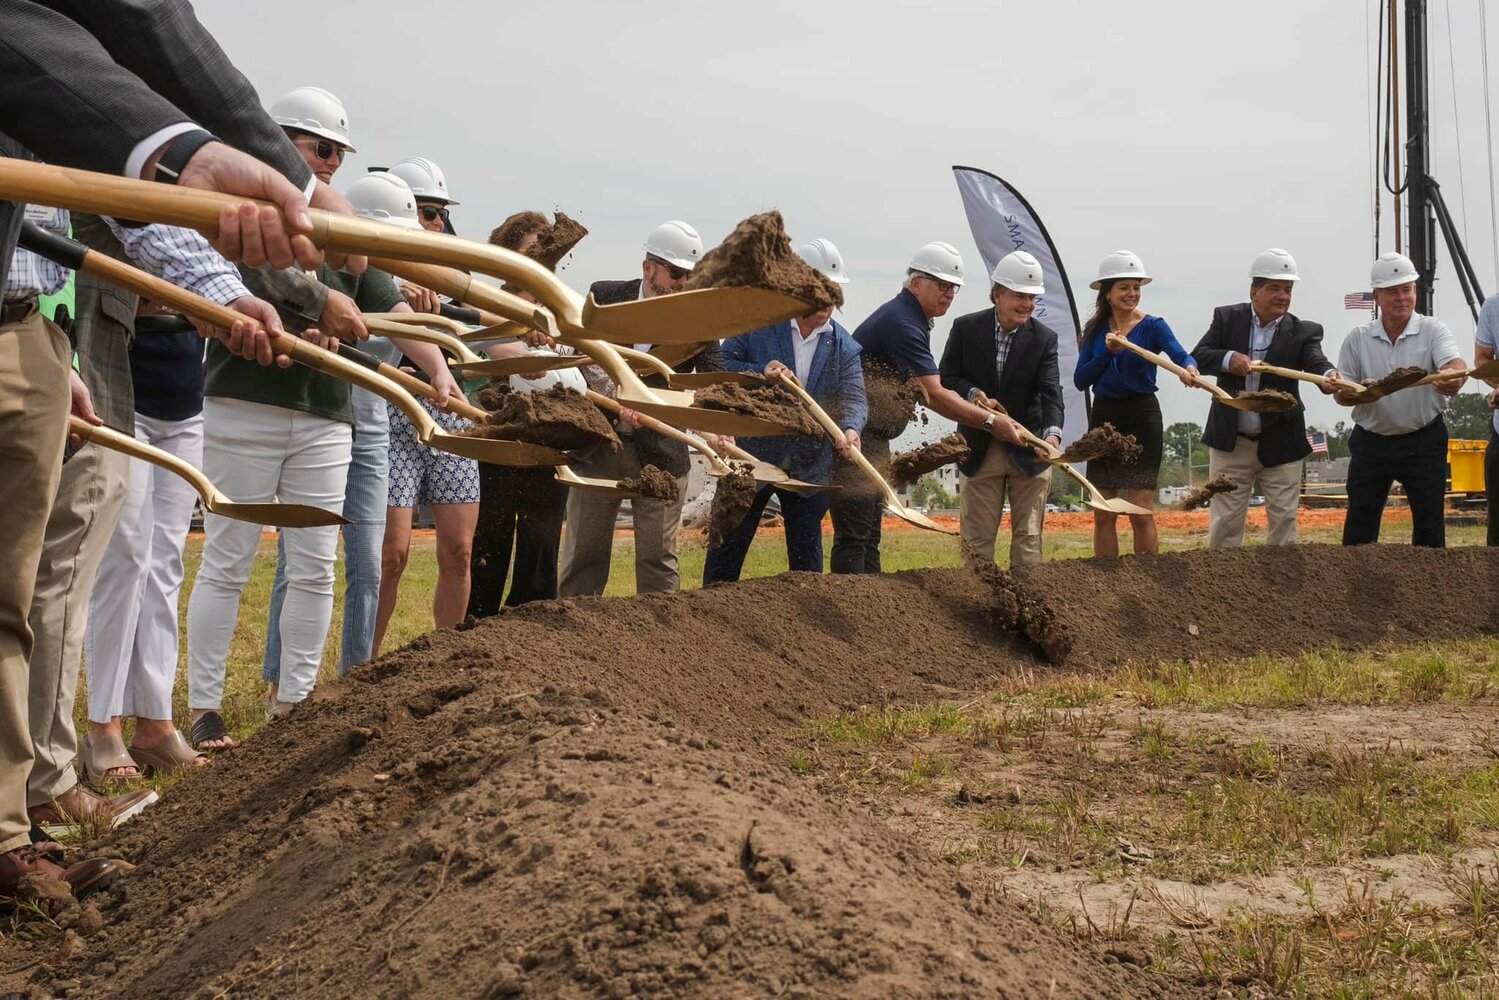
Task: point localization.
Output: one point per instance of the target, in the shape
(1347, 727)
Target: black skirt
(1137, 415)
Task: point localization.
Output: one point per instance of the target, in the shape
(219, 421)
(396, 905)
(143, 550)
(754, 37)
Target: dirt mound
(733, 495)
(556, 417)
(907, 467)
(654, 483)
(771, 402)
(1100, 442)
(1202, 494)
(758, 253)
(1268, 599)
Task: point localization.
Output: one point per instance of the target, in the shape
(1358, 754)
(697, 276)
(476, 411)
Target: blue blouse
(1113, 376)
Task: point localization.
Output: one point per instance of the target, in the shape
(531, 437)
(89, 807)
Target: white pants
(1281, 485)
(130, 648)
(256, 453)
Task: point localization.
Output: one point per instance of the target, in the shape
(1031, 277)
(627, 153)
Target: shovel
(276, 515)
(1485, 371)
(892, 501)
(1096, 499)
(1220, 394)
(686, 380)
(690, 316)
(1301, 376)
(75, 255)
(603, 487)
(460, 351)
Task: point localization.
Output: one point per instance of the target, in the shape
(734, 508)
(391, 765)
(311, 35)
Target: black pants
(520, 510)
(1418, 462)
(856, 510)
(1491, 484)
(802, 514)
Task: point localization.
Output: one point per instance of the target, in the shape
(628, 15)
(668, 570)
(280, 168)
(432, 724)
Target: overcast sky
(1195, 134)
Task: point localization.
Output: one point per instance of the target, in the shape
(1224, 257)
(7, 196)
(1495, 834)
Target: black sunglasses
(431, 213)
(677, 273)
(325, 149)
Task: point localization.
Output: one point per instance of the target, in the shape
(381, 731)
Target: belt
(15, 310)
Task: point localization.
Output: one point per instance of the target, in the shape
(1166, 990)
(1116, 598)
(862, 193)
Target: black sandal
(208, 728)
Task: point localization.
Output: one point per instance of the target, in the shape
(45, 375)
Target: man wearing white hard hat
(825, 360)
(672, 250)
(1262, 452)
(1003, 355)
(1401, 438)
(897, 344)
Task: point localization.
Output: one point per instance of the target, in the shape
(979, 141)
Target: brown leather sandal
(107, 755)
(169, 755)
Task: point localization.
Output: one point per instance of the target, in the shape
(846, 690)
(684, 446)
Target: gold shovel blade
(1257, 405)
(689, 317)
(505, 367)
(920, 520)
(602, 487)
(494, 451)
(276, 515)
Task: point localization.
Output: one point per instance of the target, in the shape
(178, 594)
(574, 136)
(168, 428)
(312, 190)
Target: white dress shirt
(806, 348)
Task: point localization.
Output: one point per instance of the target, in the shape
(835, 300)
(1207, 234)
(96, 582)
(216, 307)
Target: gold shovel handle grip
(1171, 366)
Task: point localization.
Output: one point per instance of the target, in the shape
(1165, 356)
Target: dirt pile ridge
(594, 797)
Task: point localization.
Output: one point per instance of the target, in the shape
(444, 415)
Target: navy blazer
(835, 380)
(1030, 389)
(1296, 344)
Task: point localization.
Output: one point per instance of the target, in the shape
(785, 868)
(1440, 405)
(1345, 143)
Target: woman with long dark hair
(1124, 389)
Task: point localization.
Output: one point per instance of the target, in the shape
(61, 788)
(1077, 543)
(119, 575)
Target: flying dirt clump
(1206, 492)
(892, 401)
(732, 496)
(772, 402)
(1019, 609)
(1100, 442)
(652, 484)
(907, 467)
(556, 417)
(758, 254)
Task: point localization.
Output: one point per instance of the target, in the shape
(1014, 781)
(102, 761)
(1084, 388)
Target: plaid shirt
(30, 275)
(183, 257)
(1002, 343)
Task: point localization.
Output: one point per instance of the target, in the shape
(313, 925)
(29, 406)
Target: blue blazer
(836, 381)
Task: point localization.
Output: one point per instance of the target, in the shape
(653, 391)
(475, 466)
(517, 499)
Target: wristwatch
(989, 423)
(173, 159)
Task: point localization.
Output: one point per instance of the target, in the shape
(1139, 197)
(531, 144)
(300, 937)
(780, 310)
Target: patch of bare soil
(733, 495)
(1103, 440)
(653, 483)
(556, 417)
(775, 403)
(908, 467)
(1228, 603)
(758, 253)
(1202, 494)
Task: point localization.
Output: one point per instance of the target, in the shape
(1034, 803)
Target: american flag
(1358, 300)
(1318, 441)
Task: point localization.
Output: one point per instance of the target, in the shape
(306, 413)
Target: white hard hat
(425, 178)
(1275, 264)
(1392, 269)
(1020, 272)
(1120, 264)
(383, 197)
(570, 378)
(824, 256)
(940, 260)
(676, 243)
(313, 109)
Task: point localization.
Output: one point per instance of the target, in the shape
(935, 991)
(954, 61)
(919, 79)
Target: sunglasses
(943, 287)
(431, 213)
(677, 273)
(325, 149)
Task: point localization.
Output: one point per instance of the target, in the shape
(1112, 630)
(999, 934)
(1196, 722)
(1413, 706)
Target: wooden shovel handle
(127, 444)
(426, 335)
(1169, 365)
(830, 425)
(1301, 376)
(408, 381)
(650, 423)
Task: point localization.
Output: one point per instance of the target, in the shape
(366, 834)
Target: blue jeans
(802, 513)
(364, 506)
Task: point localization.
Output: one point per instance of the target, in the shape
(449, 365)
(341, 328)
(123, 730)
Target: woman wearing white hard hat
(1124, 394)
(521, 511)
(430, 186)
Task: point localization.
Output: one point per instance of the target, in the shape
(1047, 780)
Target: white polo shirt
(1425, 343)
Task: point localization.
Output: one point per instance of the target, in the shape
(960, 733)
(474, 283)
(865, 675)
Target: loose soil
(908, 467)
(1268, 400)
(556, 241)
(733, 495)
(892, 401)
(758, 253)
(1101, 441)
(1400, 378)
(556, 417)
(775, 403)
(594, 798)
(1202, 494)
(653, 484)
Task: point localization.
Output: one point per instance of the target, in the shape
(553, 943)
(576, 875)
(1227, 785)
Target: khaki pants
(33, 426)
(1281, 485)
(981, 504)
(90, 496)
(589, 541)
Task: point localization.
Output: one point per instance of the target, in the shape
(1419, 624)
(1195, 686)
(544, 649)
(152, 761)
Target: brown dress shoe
(81, 878)
(80, 807)
(23, 861)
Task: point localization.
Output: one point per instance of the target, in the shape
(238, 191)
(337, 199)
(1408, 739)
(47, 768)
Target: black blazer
(653, 448)
(1296, 344)
(1030, 389)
